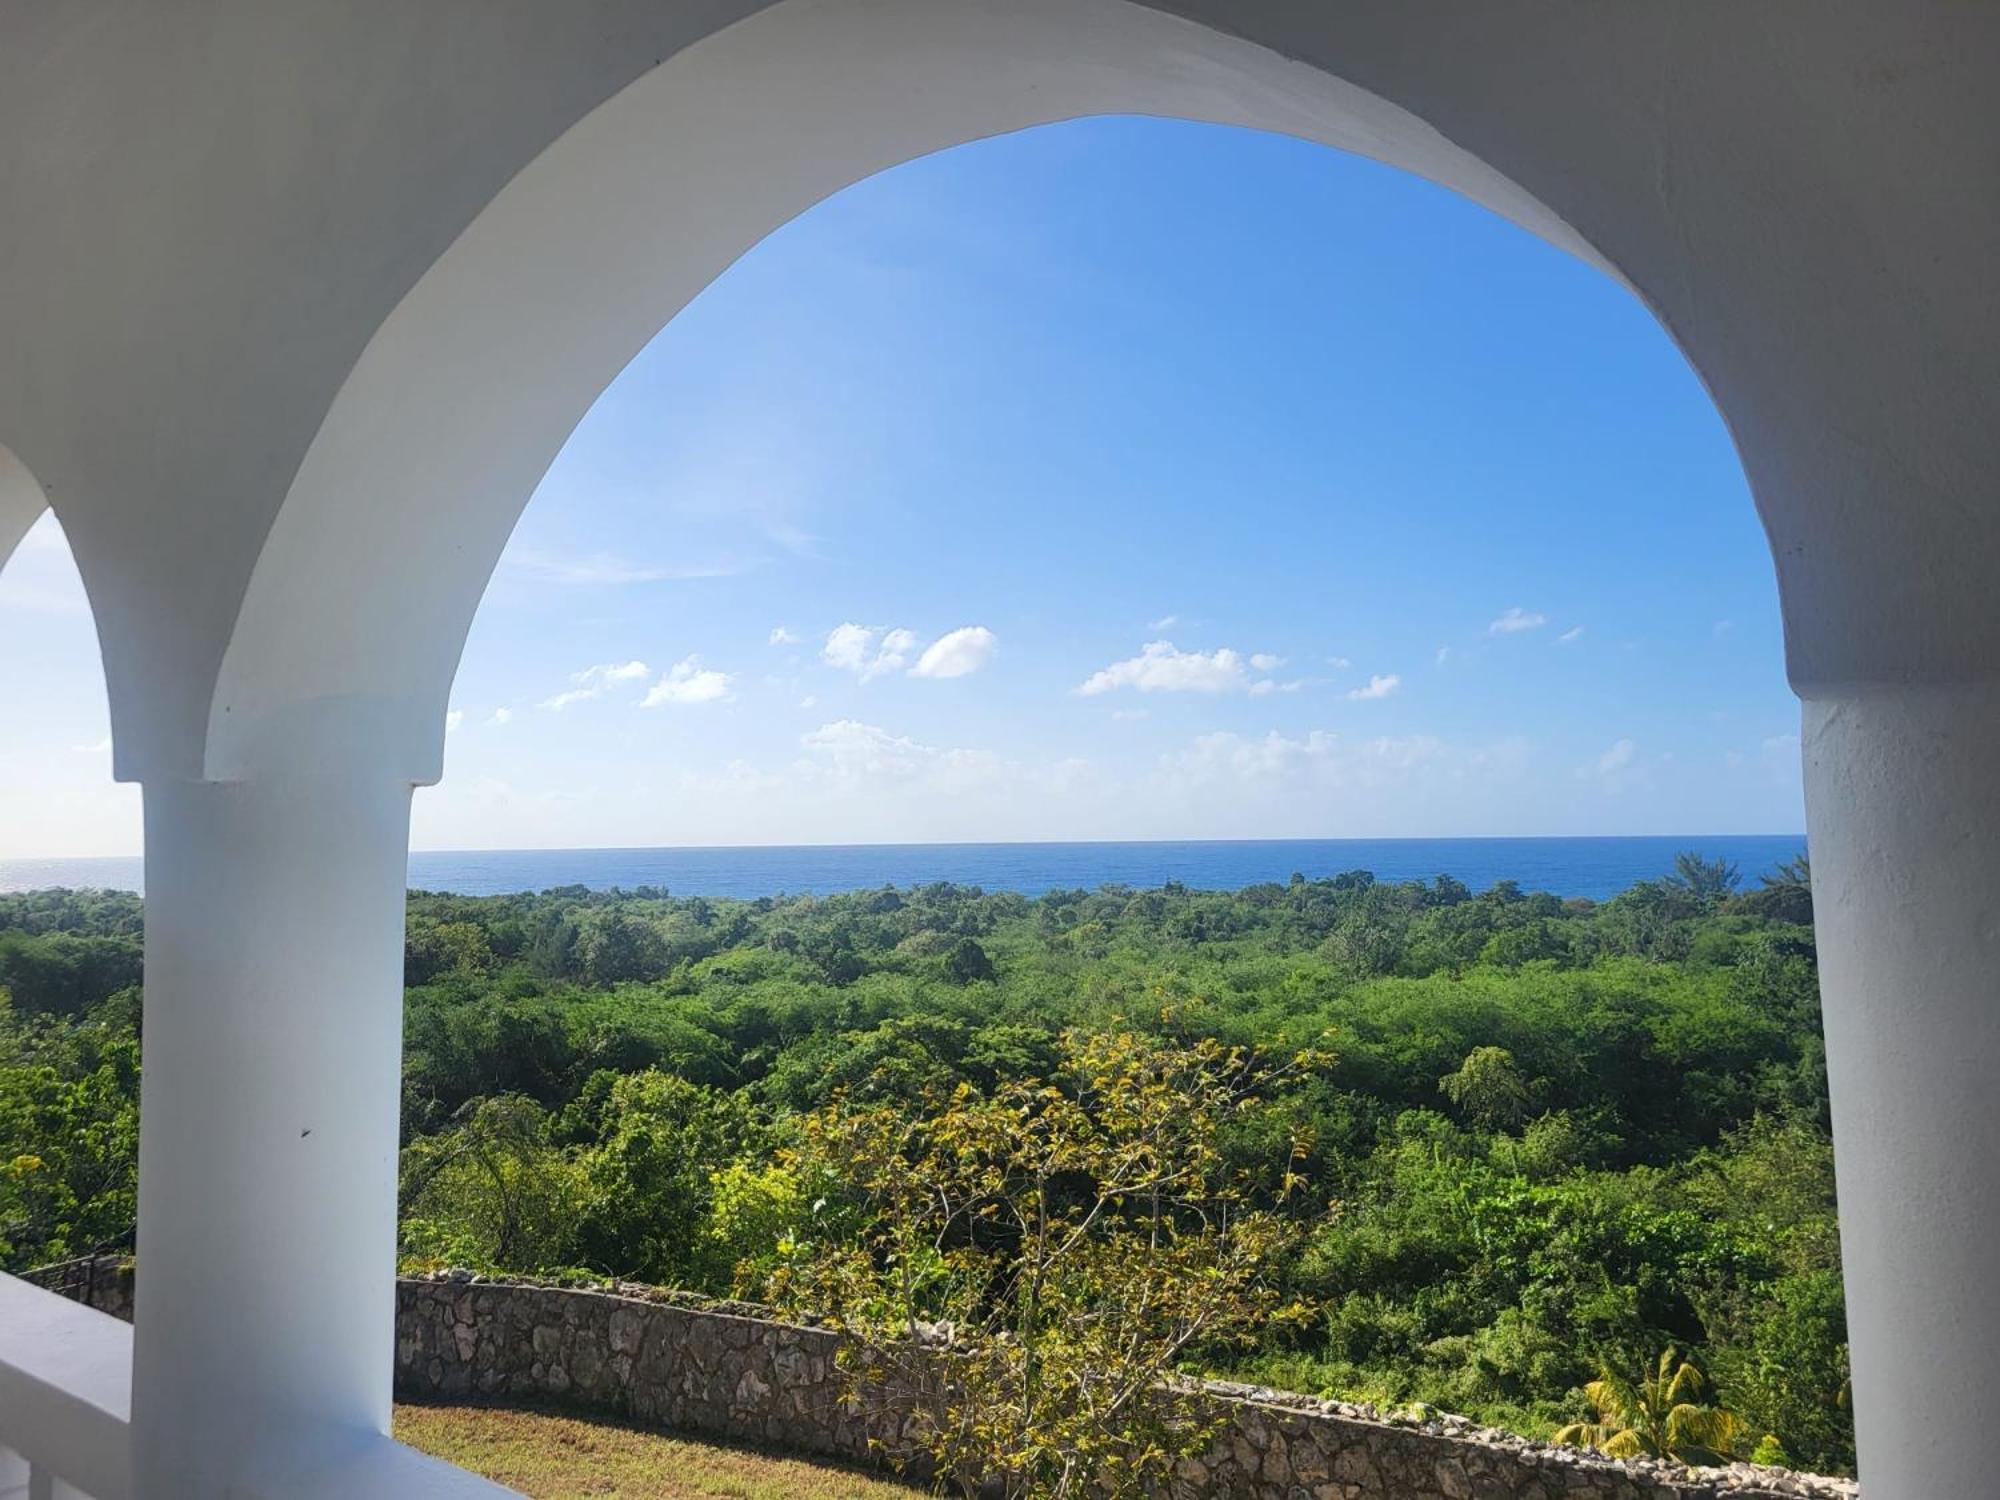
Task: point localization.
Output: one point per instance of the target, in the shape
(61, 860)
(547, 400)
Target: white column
(264, 1338)
(1903, 804)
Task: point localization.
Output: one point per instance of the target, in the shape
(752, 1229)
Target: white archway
(299, 304)
(357, 610)
(466, 393)
(56, 787)
(21, 503)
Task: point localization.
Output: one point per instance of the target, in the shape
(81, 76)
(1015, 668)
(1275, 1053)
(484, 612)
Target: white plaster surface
(21, 503)
(268, 1125)
(65, 1384)
(1904, 807)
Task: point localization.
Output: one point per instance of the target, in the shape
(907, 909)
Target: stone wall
(104, 1282)
(725, 1370)
(636, 1352)
(719, 1368)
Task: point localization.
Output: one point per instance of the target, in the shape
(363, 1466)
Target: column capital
(398, 741)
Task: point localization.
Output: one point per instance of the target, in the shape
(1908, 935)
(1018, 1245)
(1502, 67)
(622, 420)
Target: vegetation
(1656, 1416)
(554, 1456)
(1533, 1139)
(1028, 1265)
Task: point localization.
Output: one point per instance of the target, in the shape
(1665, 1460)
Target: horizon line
(1439, 838)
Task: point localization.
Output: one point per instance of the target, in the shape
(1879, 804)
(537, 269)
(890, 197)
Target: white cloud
(868, 651)
(1324, 759)
(688, 682)
(1264, 661)
(793, 539)
(847, 647)
(1271, 685)
(453, 719)
(1160, 667)
(1128, 715)
(780, 636)
(809, 701)
(1444, 655)
(1516, 620)
(1575, 632)
(957, 653)
(1165, 622)
(850, 751)
(591, 682)
(98, 747)
(855, 778)
(500, 716)
(1339, 663)
(1239, 756)
(1381, 685)
(855, 748)
(1406, 752)
(1623, 768)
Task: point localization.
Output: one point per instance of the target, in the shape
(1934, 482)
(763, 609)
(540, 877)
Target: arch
(75, 792)
(362, 596)
(21, 503)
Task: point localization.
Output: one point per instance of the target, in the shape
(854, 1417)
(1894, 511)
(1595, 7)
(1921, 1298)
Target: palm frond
(1708, 1427)
(1614, 1397)
(1627, 1444)
(1659, 1415)
(1586, 1434)
(1685, 1384)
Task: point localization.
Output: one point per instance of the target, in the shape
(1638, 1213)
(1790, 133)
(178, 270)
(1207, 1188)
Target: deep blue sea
(1595, 867)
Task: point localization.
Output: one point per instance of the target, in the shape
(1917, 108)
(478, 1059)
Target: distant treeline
(1557, 1132)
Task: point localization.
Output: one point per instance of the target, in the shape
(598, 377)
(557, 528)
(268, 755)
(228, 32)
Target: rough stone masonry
(720, 1369)
(726, 1370)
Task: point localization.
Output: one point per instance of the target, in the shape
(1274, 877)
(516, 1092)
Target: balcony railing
(65, 1398)
(65, 1421)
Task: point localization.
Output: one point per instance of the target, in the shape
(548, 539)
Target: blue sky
(1120, 479)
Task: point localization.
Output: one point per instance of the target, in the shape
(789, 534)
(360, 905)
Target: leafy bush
(1033, 1264)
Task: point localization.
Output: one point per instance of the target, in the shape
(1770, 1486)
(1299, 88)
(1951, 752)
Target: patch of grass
(552, 1456)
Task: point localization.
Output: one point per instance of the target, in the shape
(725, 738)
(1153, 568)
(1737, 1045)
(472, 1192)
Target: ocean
(1594, 867)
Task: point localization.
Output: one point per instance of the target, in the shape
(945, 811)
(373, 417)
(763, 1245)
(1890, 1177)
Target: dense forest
(1520, 1139)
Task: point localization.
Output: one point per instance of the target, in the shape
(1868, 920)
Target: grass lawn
(556, 1457)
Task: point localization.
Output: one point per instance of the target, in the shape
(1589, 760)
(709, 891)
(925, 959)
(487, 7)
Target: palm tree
(1659, 1417)
(1791, 874)
(1704, 879)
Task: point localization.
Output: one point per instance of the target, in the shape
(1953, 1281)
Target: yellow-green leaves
(1660, 1416)
(1035, 1262)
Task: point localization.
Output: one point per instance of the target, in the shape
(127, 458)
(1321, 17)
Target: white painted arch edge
(21, 503)
(357, 611)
